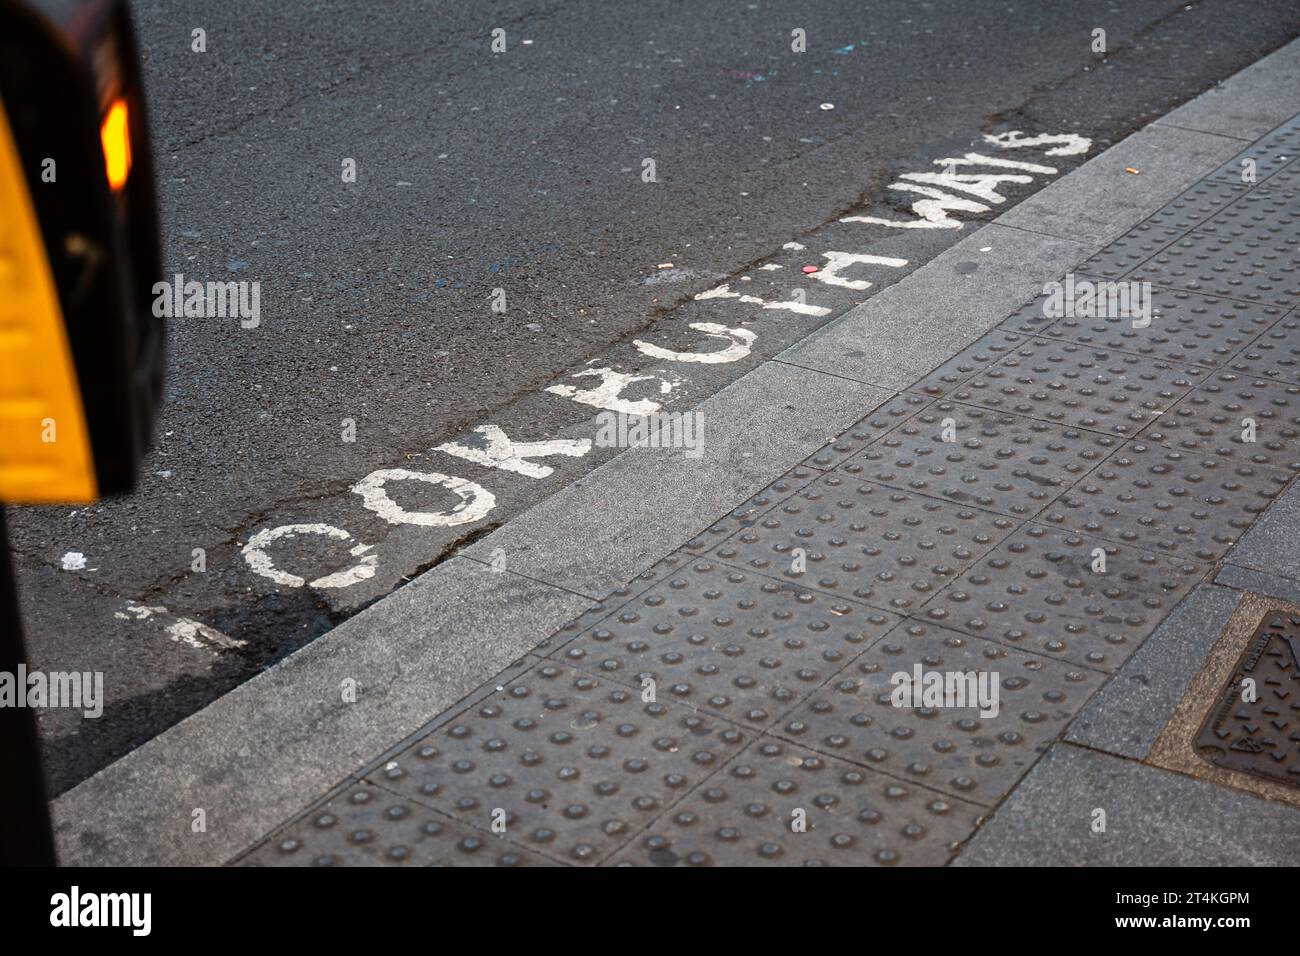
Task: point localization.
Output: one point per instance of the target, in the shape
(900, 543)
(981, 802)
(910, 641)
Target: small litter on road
(809, 270)
(828, 106)
(665, 265)
(1134, 171)
(74, 561)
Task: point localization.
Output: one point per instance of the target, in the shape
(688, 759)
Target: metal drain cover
(1256, 726)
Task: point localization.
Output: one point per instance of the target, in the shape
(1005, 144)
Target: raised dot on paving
(572, 764)
(364, 825)
(1242, 418)
(984, 458)
(1192, 506)
(745, 815)
(740, 645)
(867, 714)
(1078, 386)
(880, 545)
(1066, 595)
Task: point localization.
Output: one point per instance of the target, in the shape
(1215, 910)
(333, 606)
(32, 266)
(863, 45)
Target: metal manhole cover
(1256, 726)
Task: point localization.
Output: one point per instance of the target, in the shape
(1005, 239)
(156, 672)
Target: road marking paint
(981, 159)
(509, 455)
(500, 452)
(260, 562)
(607, 394)
(475, 500)
(981, 185)
(932, 213)
(793, 305)
(740, 341)
(182, 630)
(1072, 143)
(837, 261)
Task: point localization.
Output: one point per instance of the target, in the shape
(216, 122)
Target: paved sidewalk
(943, 478)
(1063, 504)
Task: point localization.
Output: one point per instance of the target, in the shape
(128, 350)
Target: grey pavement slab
(973, 753)
(1269, 161)
(1260, 582)
(573, 765)
(1080, 386)
(253, 757)
(739, 645)
(1186, 327)
(1275, 355)
(1249, 104)
(854, 817)
(982, 458)
(1153, 818)
(604, 529)
(1042, 590)
(902, 333)
(1172, 221)
(876, 544)
(1267, 560)
(1246, 251)
(1195, 506)
(1128, 714)
(1271, 544)
(1249, 419)
(361, 824)
(1102, 199)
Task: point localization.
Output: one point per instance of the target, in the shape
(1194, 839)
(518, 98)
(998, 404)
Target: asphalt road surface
(523, 171)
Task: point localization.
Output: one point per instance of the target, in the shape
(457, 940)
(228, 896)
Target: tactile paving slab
(1271, 154)
(1000, 462)
(1288, 177)
(1275, 355)
(1236, 417)
(1260, 736)
(747, 513)
(1029, 321)
(880, 545)
(745, 816)
(1267, 217)
(1248, 251)
(577, 763)
(861, 434)
(1153, 234)
(364, 825)
(1185, 327)
(976, 751)
(598, 611)
(987, 350)
(1079, 386)
(1066, 595)
(1192, 506)
(740, 645)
